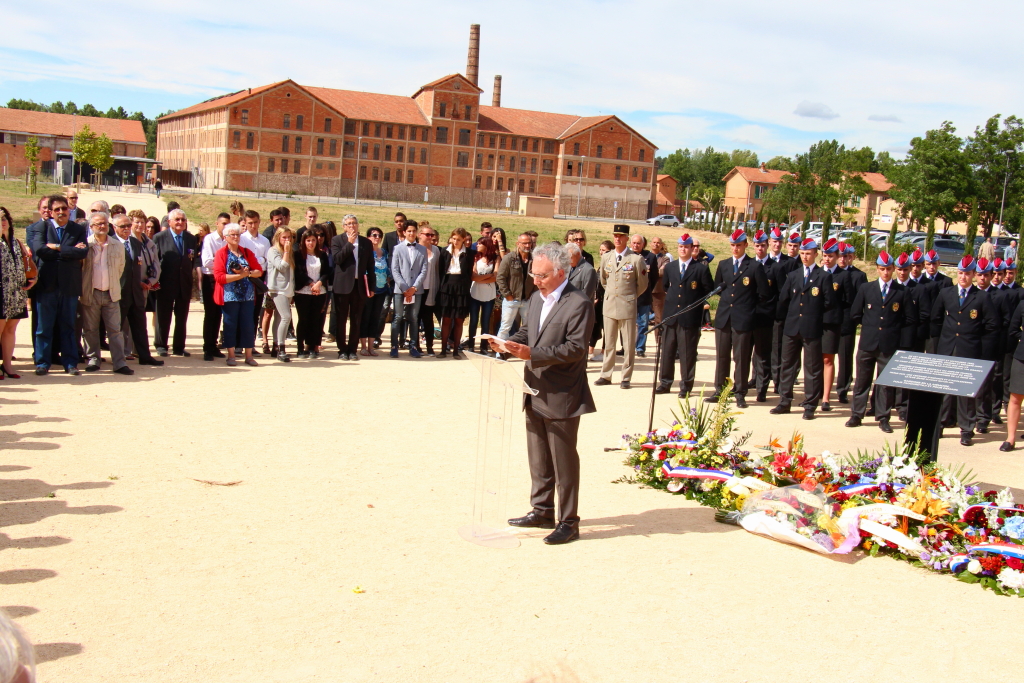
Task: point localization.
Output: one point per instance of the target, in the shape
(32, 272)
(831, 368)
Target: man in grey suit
(553, 341)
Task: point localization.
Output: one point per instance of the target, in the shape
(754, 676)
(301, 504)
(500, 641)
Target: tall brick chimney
(473, 63)
(496, 97)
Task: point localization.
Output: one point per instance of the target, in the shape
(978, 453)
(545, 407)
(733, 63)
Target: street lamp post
(1002, 202)
(579, 186)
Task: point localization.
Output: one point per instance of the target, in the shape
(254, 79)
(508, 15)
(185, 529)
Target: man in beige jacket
(101, 295)
(624, 277)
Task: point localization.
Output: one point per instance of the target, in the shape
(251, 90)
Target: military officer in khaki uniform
(624, 277)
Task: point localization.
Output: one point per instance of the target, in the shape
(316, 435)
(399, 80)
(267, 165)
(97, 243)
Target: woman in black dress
(13, 288)
(456, 272)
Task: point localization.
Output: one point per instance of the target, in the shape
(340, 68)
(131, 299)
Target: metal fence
(603, 208)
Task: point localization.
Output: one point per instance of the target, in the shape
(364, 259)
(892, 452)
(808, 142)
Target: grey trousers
(282, 318)
(554, 465)
(110, 311)
(612, 329)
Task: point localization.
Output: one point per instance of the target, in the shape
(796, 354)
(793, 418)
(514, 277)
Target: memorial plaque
(934, 373)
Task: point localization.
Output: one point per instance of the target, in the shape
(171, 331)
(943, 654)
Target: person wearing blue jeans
(645, 301)
(408, 269)
(515, 284)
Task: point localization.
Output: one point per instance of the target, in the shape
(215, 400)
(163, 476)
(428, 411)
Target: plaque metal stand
(501, 391)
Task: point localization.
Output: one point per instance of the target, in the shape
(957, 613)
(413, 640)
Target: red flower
(1014, 563)
(992, 563)
(808, 484)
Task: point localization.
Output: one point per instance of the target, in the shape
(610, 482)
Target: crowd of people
(91, 277)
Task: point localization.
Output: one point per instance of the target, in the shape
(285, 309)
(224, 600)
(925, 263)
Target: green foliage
(935, 178)
(994, 154)
(869, 219)
(704, 168)
(890, 244)
(972, 229)
(32, 151)
(58, 107)
(929, 240)
(102, 153)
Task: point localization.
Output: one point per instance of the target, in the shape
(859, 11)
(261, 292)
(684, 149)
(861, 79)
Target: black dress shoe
(150, 361)
(965, 440)
(533, 520)
(853, 422)
(207, 356)
(217, 353)
(641, 354)
(1006, 447)
(712, 399)
(826, 408)
(842, 398)
(563, 533)
(741, 402)
(983, 429)
(183, 354)
(662, 389)
(161, 351)
(998, 420)
(780, 410)
(124, 370)
(884, 426)
(342, 355)
(762, 397)
(600, 381)
(92, 367)
(808, 413)
(624, 384)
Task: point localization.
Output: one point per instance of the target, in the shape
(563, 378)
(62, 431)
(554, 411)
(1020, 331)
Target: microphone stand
(657, 353)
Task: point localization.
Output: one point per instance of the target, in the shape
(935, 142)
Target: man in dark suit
(177, 250)
(964, 321)
(764, 316)
(553, 341)
(686, 282)
(934, 281)
(832, 323)
(887, 313)
(851, 281)
(781, 262)
(1014, 294)
(30, 236)
(744, 286)
(353, 261)
(59, 247)
(395, 236)
(133, 298)
(989, 401)
(806, 296)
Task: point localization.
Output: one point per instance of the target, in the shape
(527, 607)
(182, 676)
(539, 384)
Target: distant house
(55, 133)
(666, 200)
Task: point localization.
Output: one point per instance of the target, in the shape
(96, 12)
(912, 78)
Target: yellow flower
(358, 589)
(643, 456)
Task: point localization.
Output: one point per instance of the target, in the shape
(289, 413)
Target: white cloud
(815, 110)
(886, 118)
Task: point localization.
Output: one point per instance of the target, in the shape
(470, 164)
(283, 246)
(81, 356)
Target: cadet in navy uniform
(807, 295)
(1015, 294)
(783, 263)
(854, 278)
(832, 322)
(934, 281)
(764, 317)
(686, 282)
(1015, 383)
(964, 323)
(989, 402)
(885, 311)
(745, 286)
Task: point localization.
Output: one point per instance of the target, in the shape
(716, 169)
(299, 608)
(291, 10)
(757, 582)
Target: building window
(387, 175)
(331, 166)
(441, 136)
(597, 170)
(501, 186)
(287, 121)
(600, 151)
(376, 151)
(546, 167)
(618, 173)
(297, 165)
(366, 127)
(245, 117)
(401, 154)
(423, 155)
(511, 184)
(549, 146)
(350, 148)
(512, 164)
(408, 177)
(350, 127)
(576, 149)
(479, 139)
(362, 173)
(533, 186)
(284, 144)
(646, 172)
(376, 130)
(490, 182)
(319, 164)
(401, 132)
(854, 201)
(469, 112)
(533, 165)
(535, 145)
(270, 165)
(490, 162)
(642, 152)
(579, 169)
(501, 142)
(758, 191)
(237, 142)
(477, 181)
(463, 160)
(522, 185)
(522, 164)
(492, 141)
(398, 175)
(298, 122)
(298, 145)
(464, 136)
(376, 173)
(390, 131)
(284, 165)
(442, 109)
(479, 160)
(512, 143)
(387, 152)
(501, 162)
(568, 168)
(412, 133)
(250, 140)
(363, 150)
(425, 135)
(634, 171)
(320, 145)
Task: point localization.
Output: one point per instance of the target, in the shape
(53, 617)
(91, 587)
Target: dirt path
(359, 475)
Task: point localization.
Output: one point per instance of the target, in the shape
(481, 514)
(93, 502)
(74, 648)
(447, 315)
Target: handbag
(31, 272)
(259, 287)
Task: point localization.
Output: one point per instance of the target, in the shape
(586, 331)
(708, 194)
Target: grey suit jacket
(557, 368)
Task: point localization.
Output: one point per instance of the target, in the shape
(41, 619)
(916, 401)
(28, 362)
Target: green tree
(972, 228)
(780, 201)
(935, 178)
(82, 147)
(860, 160)
(102, 157)
(929, 240)
(32, 151)
(868, 220)
(994, 154)
(780, 163)
(890, 244)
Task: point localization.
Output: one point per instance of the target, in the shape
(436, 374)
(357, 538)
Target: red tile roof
(441, 80)
(756, 175)
(222, 101)
(540, 124)
(369, 106)
(66, 125)
(877, 181)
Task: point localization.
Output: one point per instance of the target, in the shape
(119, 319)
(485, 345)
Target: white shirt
(454, 267)
(212, 243)
(737, 262)
(484, 291)
(258, 245)
(549, 302)
(683, 265)
(882, 286)
(100, 276)
(313, 271)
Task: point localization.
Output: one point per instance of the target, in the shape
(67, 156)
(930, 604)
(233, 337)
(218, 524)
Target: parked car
(950, 251)
(664, 219)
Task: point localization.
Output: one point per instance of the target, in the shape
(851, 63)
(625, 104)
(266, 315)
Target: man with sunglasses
(59, 248)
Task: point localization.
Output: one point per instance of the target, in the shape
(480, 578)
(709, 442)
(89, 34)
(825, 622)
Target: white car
(664, 219)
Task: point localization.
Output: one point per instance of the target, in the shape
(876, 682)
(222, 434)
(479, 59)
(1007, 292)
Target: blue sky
(772, 77)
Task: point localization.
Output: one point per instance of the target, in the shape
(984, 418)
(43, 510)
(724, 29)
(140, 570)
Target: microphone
(716, 290)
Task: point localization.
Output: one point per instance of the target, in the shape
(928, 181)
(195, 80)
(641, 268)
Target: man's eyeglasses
(540, 276)
(576, 239)
(59, 209)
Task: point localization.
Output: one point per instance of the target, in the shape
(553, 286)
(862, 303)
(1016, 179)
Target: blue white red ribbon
(685, 445)
(694, 473)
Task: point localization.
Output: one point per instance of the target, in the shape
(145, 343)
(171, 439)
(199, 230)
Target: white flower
(1011, 578)
(662, 432)
(974, 567)
(1005, 498)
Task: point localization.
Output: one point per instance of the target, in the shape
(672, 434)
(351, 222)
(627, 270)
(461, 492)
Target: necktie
(807, 275)
(128, 250)
(963, 295)
(60, 234)
(885, 291)
(618, 259)
(682, 269)
(735, 266)
(178, 244)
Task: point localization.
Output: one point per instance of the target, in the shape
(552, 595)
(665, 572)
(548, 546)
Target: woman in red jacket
(233, 266)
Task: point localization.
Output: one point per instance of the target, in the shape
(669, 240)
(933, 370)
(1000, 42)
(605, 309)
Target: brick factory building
(286, 137)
